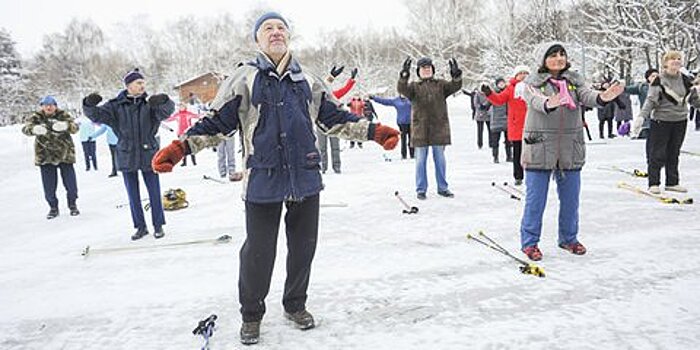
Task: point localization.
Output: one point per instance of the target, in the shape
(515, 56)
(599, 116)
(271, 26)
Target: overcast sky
(29, 20)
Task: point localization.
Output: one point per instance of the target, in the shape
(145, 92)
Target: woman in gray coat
(553, 146)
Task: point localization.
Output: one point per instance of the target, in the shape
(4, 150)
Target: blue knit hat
(265, 17)
(48, 100)
(131, 76)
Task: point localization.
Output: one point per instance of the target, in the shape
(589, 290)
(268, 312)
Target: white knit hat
(520, 69)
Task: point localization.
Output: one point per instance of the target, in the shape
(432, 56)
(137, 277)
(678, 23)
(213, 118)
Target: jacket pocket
(534, 151)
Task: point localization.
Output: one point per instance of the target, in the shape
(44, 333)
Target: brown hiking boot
(250, 332)
(302, 319)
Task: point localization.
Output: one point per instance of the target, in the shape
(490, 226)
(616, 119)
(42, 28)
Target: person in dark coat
(430, 125)
(135, 118)
(276, 104)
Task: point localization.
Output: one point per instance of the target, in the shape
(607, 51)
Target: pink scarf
(566, 99)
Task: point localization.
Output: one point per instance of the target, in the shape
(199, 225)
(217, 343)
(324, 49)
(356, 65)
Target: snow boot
(250, 332)
(158, 233)
(74, 210)
(654, 189)
(302, 319)
(140, 233)
(53, 212)
(533, 253)
(676, 188)
(446, 193)
(574, 248)
(421, 196)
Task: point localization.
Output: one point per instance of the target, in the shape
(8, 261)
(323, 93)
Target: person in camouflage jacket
(53, 150)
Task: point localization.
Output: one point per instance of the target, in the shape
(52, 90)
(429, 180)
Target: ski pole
(519, 191)
(207, 177)
(526, 268)
(205, 328)
(409, 209)
(512, 196)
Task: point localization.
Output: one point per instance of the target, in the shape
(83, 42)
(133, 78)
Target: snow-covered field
(381, 279)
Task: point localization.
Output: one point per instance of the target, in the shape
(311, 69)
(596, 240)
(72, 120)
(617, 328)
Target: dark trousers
(257, 256)
(601, 127)
(694, 114)
(405, 140)
(113, 153)
(480, 132)
(49, 178)
(494, 138)
(666, 139)
(184, 160)
(89, 151)
(131, 181)
(517, 167)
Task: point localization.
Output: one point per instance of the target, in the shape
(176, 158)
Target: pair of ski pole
(526, 267)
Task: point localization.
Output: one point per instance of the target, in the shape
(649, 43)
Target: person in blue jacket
(86, 129)
(403, 119)
(276, 105)
(111, 142)
(135, 118)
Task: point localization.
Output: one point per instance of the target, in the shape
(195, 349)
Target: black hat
(649, 72)
(425, 61)
(131, 76)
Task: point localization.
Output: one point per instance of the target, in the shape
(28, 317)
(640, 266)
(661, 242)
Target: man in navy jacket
(275, 104)
(135, 119)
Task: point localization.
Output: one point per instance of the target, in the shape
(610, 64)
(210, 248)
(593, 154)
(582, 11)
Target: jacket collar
(293, 68)
(123, 97)
(539, 79)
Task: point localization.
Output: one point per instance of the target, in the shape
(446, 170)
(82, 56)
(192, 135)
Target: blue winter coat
(135, 123)
(402, 105)
(276, 114)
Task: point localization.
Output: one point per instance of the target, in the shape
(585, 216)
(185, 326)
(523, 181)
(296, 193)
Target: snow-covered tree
(13, 97)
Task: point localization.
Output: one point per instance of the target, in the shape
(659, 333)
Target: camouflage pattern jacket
(55, 146)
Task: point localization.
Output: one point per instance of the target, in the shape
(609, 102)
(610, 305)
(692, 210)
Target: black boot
(53, 212)
(250, 332)
(140, 232)
(73, 210)
(494, 151)
(302, 319)
(158, 232)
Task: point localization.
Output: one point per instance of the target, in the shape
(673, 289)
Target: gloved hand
(455, 72)
(486, 89)
(59, 126)
(89, 139)
(92, 100)
(386, 136)
(335, 72)
(39, 130)
(353, 73)
(405, 71)
(157, 100)
(166, 158)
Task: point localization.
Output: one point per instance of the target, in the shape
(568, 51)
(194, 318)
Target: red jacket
(517, 109)
(184, 120)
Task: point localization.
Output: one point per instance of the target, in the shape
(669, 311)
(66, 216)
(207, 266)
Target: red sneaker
(533, 253)
(574, 248)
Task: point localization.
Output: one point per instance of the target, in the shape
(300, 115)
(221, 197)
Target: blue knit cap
(265, 17)
(131, 76)
(48, 100)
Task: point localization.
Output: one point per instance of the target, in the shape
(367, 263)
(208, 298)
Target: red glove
(167, 157)
(386, 136)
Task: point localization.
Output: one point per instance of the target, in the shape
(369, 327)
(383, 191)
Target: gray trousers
(226, 151)
(323, 147)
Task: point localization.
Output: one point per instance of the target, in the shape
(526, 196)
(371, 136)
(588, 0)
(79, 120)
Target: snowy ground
(381, 279)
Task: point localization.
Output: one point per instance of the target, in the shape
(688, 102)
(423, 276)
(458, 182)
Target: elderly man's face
(425, 72)
(48, 109)
(273, 37)
(136, 87)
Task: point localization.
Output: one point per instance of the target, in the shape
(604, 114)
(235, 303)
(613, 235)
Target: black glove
(89, 139)
(455, 72)
(92, 100)
(353, 73)
(335, 72)
(157, 100)
(486, 89)
(405, 72)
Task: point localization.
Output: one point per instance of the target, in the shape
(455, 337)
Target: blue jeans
(440, 168)
(568, 189)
